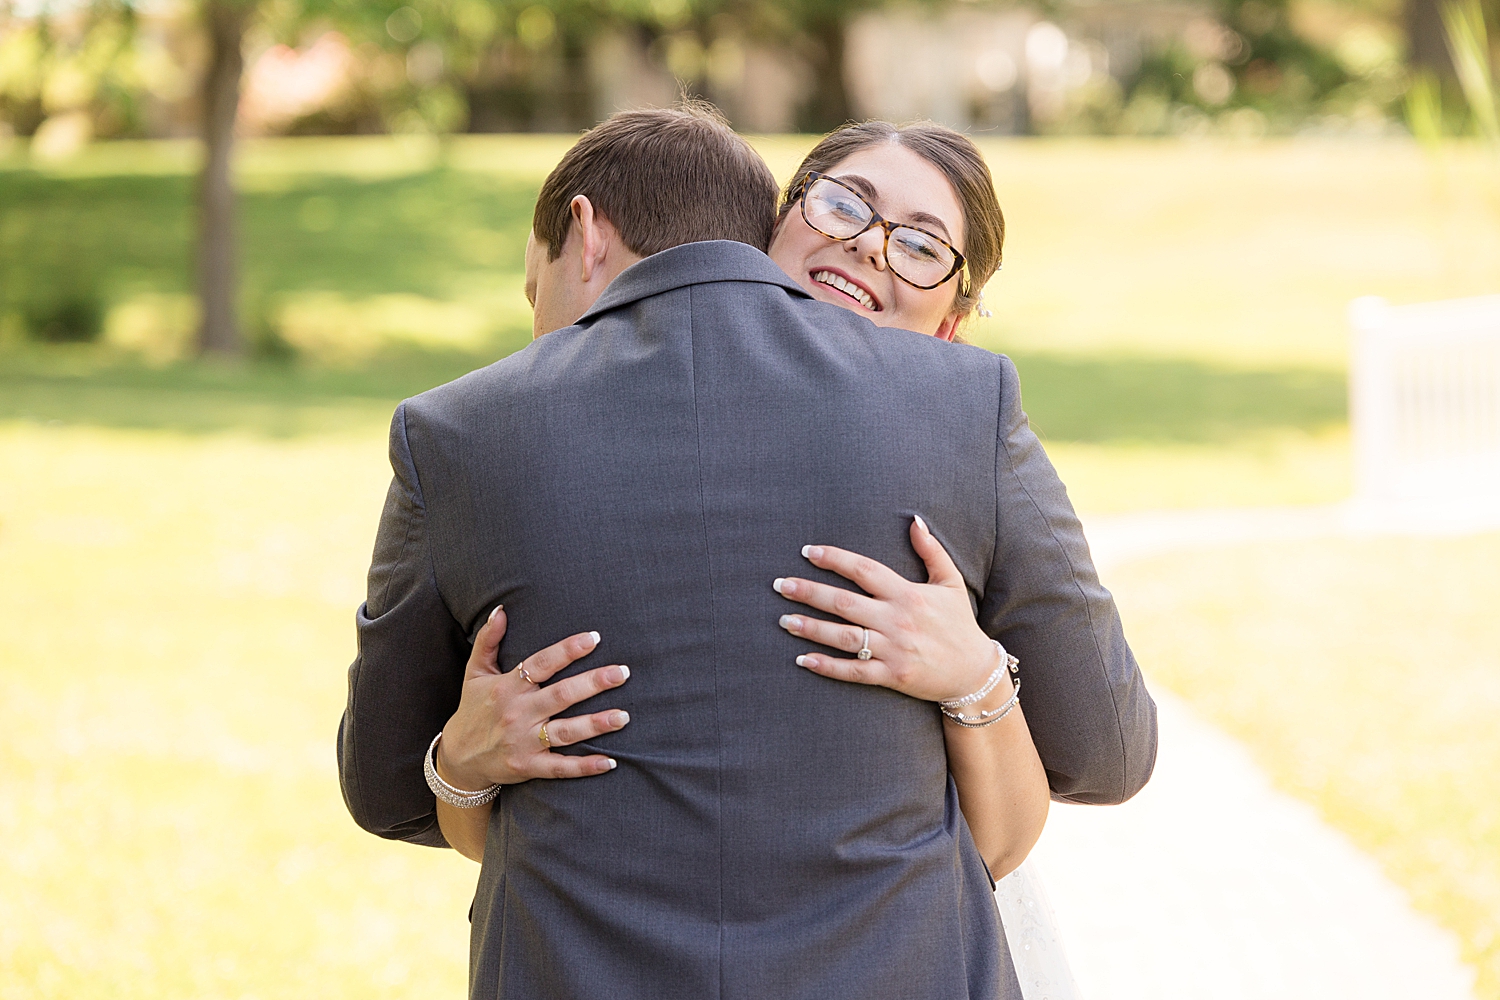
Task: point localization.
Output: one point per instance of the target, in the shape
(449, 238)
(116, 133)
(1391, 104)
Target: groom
(646, 470)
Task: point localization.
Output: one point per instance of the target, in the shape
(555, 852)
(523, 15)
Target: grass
(184, 543)
(1365, 676)
(177, 611)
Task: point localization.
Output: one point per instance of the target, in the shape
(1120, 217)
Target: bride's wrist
(443, 764)
(979, 673)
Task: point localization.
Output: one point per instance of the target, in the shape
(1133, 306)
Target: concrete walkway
(1210, 883)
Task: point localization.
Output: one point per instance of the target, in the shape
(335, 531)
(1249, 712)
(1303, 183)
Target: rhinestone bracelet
(456, 797)
(1007, 662)
(989, 718)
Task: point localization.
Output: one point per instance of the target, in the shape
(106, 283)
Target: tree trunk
(1427, 39)
(828, 106)
(217, 259)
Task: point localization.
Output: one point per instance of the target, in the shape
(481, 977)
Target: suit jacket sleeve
(1091, 718)
(408, 673)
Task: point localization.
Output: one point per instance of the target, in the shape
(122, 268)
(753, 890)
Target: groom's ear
(598, 237)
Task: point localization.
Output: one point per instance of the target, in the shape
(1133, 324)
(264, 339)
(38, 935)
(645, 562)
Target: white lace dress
(1031, 929)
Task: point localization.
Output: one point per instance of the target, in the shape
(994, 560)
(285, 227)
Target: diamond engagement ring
(864, 649)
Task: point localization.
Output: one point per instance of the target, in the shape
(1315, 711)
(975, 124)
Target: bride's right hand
(495, 736)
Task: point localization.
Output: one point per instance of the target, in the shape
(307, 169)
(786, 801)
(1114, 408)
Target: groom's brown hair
(663, 177)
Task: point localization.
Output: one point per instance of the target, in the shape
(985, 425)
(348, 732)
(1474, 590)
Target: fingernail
(595, 637)
(612, 764)
(496, 611)
(624, 673)
(812, 551)
(807, 551)
(619, 719)
(804, 660)
(918, 519)
(791, 623)
(778, 583)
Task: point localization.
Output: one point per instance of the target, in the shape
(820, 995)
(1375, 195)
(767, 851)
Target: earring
(982, 309)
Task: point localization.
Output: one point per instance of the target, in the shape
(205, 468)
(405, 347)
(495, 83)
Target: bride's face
(903, 188)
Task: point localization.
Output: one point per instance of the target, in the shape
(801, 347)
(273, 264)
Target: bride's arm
(1002, 788)
(925, 643)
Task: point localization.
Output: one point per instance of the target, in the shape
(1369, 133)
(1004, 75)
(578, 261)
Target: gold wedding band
(542, 735)
(864, 647)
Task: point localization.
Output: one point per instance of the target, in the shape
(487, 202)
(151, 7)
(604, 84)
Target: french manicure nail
(804, 660)
(495, 612)
(624, 673)
(807, 551)
(777, 583)
(918, 519)
(613, 764)
(595, 637)
(790, 622)
(619, 719)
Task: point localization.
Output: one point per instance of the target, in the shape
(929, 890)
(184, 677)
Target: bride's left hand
(923, 639)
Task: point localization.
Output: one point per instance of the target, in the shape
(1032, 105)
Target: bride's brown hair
(959, 160)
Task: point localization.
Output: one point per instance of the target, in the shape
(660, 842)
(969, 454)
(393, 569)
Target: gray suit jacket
(769, 834)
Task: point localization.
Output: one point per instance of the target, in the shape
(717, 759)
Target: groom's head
(637, 184)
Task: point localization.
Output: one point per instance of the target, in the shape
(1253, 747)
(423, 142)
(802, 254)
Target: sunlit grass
(177, 613)
(1245, 255)
(176, 616)
(183, 544)
(1365, 677)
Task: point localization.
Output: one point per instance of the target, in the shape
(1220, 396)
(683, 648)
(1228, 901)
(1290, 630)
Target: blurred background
(234, 235)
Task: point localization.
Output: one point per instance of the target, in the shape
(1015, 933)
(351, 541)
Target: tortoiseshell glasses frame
(872, 220)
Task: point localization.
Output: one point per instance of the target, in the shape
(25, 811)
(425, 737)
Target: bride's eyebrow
(864, 187)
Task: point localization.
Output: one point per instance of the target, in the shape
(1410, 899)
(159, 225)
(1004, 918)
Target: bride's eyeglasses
(919, 258)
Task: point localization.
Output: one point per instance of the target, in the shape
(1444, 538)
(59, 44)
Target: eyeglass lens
(838, 212)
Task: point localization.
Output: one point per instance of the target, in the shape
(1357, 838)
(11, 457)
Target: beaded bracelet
(1008, 664)
(456, 797)
(989, 718)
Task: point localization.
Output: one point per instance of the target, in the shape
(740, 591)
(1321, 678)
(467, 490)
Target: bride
(901, 225)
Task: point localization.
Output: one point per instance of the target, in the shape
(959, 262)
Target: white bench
(1424, 409)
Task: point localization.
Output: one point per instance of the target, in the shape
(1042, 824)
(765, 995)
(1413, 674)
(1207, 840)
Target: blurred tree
(816, 29)
(218, 264)
(1252, 57)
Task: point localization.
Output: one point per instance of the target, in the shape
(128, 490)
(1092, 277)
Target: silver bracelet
(1007, 663)
(456, 797)
(989, 718)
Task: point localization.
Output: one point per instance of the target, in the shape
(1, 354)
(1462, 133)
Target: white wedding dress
(1031, 929)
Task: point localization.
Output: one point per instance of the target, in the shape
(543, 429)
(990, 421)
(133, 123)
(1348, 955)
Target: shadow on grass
(83, 242)
(100, 238)
(85, 387)
(1118, 400)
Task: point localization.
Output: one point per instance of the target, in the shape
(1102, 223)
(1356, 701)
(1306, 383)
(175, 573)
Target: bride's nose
(870, 247)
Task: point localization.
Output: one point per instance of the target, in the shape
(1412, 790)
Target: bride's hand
(495, 736)
(923, 639)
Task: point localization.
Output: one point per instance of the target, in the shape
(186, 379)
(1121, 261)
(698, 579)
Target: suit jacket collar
(690, 264)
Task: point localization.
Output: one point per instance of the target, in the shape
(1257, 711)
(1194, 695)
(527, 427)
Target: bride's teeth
(847, 287)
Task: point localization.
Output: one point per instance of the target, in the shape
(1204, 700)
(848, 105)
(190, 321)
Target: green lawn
(184, 544)
(1365, 677)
